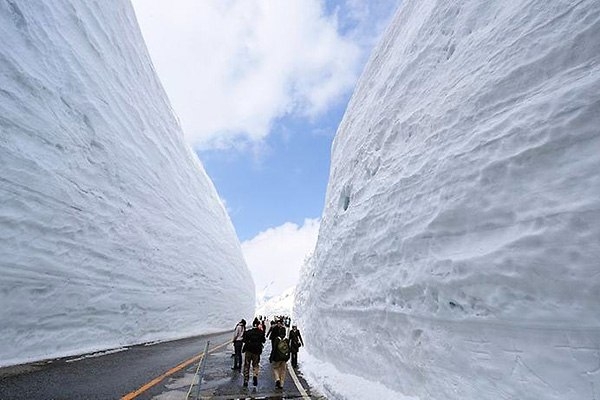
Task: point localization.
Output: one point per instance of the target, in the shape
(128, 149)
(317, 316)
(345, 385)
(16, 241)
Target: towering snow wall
(459, 251)
(111, 233)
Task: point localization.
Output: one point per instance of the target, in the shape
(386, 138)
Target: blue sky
(260, 87)
(286, 182)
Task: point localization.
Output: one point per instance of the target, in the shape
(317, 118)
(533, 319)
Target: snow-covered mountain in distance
(111, 233)
(265, 294)
(458, 254)
(282, 304)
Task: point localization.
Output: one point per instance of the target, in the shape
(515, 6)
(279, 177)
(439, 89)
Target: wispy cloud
(232, 68)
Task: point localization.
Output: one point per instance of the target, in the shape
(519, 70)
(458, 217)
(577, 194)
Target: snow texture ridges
(458, 252)
(111, 233)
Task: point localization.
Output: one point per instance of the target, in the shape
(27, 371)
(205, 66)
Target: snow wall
(459, 251)
(111, 233)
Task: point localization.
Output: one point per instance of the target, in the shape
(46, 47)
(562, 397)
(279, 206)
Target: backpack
(283, 350)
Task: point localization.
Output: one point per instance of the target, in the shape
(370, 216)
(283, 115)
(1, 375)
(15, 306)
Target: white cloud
(232, 67)
(275, 256)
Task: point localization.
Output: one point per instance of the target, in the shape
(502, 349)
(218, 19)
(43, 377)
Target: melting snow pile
(110, 231)
(458, 256)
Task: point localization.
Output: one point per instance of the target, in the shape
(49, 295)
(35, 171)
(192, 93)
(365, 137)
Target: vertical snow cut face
(111, 233)
(458, 256)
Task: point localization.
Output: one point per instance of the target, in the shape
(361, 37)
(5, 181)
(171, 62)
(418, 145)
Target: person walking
(253, 347)
(280, 354)
(277, 330)
(238, 337)
(272, 325)
(295, 343)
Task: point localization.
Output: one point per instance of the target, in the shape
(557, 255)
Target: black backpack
(253, 341)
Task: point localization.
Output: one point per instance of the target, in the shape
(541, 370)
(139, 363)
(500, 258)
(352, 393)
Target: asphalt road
(110, 376)
(221, 383)
(134, 372)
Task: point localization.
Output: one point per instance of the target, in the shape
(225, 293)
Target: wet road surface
(107, 377)
(221, 383)
(160, 371)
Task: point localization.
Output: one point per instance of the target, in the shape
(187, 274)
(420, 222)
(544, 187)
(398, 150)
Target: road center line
(158, 379)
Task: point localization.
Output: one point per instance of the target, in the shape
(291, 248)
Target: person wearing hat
(238, 337)
(295, 343)
(253, 346)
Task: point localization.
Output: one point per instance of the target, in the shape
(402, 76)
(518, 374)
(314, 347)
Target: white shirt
(239, 332)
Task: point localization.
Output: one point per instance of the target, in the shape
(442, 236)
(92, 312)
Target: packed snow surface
(458, 255)
(110, 231)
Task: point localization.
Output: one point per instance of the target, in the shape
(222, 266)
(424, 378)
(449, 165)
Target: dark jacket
(275, 331)
(253, 341)
(295, 341)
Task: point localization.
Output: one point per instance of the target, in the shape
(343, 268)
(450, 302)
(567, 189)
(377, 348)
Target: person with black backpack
(253, 346)
(280, 354)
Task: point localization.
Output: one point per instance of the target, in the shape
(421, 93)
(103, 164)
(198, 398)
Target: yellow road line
(297, 382)
(158, 379)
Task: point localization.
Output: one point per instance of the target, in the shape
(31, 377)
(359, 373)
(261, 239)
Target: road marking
(158, 379)
(297, 382)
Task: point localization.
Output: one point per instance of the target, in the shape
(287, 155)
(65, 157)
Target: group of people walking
(250, 342)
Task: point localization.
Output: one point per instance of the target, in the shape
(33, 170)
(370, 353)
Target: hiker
(295, 343)
(280, 354)
(253, 346)
(275, 331)
(238, 336)
(272, 325)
